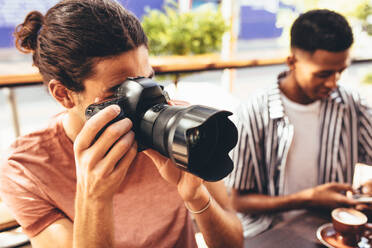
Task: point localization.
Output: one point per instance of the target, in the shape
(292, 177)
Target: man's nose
(332, 80)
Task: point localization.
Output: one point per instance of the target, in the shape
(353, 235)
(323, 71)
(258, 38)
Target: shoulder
(35, 142)
(254, 106)
(19, 165)
(351, 100)
(349, 95)
(259, 97)
(31, 148)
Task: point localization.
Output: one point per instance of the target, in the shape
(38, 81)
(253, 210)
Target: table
(7, 222)
(161, 64)
(28, 245)
(298, 230)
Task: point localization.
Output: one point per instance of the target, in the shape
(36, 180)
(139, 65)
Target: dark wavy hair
(321, 29)
(74, 35)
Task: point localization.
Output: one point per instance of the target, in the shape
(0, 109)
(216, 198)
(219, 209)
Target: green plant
(173, 33)
(363, 12)
(368, 78)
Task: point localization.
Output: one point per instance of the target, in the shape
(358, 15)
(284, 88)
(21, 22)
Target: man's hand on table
(329, 195)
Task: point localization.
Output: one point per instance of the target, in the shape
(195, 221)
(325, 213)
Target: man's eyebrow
(325, 72)
(330, 71)
(114, 88)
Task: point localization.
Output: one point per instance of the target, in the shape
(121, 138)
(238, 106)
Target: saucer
(13, 238)
(327, 236)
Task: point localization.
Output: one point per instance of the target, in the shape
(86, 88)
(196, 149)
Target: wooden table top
(7, 224)
(196, 63)
(161, 65)
(172, 65)
(295, 231)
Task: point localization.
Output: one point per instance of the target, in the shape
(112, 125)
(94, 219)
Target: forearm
(260, 204)
(220, 228)
(93, 223)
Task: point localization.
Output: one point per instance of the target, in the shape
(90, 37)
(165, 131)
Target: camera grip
(96, 107)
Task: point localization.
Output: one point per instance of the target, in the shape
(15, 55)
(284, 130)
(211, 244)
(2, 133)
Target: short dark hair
(74, 34)
(321, 29)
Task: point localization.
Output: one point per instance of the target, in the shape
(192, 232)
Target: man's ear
(61, 93)
(291, 62)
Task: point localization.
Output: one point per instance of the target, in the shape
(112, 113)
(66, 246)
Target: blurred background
(245, 29)
(249, 33)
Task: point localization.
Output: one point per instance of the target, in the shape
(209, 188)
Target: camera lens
(195, 136)
(202, 141)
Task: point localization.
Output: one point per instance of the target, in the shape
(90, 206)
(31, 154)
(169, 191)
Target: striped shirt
(265, 135)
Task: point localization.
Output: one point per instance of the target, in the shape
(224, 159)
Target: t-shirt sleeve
(29, 205)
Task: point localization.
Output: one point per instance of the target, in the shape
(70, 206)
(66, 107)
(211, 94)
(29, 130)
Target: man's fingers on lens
(158, 159)
(93, 126)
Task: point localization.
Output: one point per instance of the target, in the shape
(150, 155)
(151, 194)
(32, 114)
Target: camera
(196, 138)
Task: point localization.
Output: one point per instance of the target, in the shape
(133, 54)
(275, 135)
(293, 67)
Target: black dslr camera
(196, 138)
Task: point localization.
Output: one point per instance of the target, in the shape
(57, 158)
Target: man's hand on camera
(189, 187)
(102, 164)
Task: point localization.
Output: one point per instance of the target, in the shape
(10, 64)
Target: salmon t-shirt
(38, 184)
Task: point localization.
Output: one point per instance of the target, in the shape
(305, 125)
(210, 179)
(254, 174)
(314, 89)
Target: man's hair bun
(27, 32)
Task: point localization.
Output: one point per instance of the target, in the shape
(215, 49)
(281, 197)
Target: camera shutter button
(157, 108)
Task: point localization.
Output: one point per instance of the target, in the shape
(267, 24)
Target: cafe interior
(240, 52)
